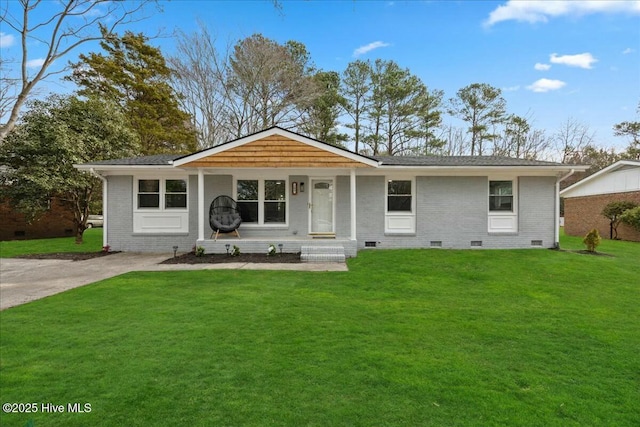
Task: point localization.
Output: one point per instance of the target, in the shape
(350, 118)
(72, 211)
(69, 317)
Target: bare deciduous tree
(266, 84)
(570, 139)
(199, 75)
(519, 140)
(69, 24)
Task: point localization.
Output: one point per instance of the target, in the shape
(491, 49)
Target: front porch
(284, 244)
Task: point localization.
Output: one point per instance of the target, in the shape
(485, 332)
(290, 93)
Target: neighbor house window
(399, 196)
(501, 196)
(162, 193)
(262, 201)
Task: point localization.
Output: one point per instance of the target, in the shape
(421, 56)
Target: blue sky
(553, 60)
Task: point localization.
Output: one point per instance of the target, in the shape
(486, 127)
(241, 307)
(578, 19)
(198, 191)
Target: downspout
(104, 205)
(557, 220)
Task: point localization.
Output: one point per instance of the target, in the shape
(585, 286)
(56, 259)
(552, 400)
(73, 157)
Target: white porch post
(353, 204)
(200, 204)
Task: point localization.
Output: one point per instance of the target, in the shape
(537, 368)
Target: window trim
(261, 200)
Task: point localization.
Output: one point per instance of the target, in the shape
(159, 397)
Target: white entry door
(321, 206)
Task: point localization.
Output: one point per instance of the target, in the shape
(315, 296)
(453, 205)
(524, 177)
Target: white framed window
(400, 205)
(399, 195)
(502, 205)
(262, 201)
(501, 196)
(161, 193)
(160, 205)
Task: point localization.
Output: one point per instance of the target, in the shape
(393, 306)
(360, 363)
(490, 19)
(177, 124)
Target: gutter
(557, 215)
(104, 205)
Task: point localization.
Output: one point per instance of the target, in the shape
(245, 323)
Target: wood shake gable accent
(275, 150)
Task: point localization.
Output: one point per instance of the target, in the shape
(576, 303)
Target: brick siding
(581, 214)
(56, 222)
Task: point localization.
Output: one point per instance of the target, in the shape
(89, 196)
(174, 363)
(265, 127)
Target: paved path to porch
(25, 280)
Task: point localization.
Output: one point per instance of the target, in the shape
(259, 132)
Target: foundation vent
(536, 243)
(435, 243)
(370, 244)
(476, 243)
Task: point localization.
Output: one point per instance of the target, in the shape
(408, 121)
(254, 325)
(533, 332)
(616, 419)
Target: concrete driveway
(25, 280)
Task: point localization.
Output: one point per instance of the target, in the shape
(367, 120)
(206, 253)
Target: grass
(13, 248)
(406, 337)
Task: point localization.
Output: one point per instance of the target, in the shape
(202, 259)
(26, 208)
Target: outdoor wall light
(302, 187)
(294, 188)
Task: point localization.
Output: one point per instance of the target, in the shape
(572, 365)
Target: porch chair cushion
(225, 223)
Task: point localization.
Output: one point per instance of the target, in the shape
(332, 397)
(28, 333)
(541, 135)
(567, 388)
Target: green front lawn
(13, 248)
(406, 337)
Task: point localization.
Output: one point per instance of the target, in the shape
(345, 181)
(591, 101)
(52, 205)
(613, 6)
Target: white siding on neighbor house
(623, 180)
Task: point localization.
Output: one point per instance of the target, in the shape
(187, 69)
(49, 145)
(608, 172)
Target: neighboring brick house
(56, 222)
(584, 200)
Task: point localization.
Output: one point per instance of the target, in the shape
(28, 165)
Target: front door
(321, 206)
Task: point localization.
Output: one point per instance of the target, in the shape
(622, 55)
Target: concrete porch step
(322, 254)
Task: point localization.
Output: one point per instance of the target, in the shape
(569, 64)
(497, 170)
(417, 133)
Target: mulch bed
(191, 258)
(592, 253)
(584, 252)
(71, 256)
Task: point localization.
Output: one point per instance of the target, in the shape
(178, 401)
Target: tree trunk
(79, 233)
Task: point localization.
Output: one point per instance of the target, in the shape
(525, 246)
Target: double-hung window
(501, 196)
(399, 196)
(503, 209)
(400, 215)
(262, 201)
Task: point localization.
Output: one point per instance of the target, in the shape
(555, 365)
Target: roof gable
(275, 148)
(620, 177)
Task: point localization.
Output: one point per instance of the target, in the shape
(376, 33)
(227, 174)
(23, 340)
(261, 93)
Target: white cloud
(369, 47)
(6, 40)
(582, 60)
(546, 85)
(627, 51)
(511, 89)
(542, 10)
(33, 63)
(542, 67)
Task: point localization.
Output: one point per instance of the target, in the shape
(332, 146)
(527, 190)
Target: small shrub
(235, 251)
(592, 240)
(271, 250)
(632, 217)
(199, 251)
(106, 248)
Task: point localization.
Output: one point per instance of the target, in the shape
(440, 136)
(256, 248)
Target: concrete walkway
(25, 280)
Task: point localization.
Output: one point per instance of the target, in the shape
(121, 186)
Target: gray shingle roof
(415, 161)
(154, 160)
(459, 161)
